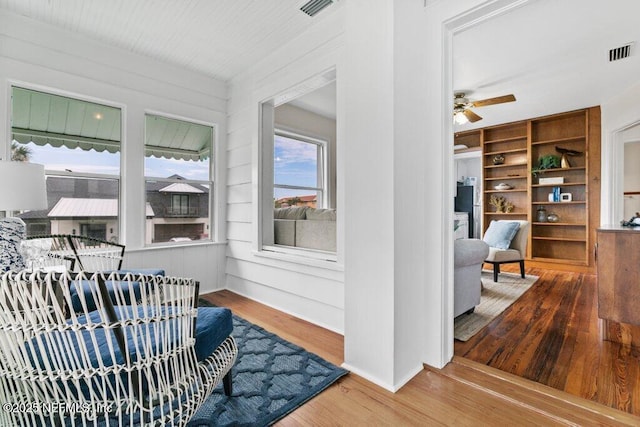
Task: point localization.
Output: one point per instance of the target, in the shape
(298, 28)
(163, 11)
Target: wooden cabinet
(618, 282)
(511, 151)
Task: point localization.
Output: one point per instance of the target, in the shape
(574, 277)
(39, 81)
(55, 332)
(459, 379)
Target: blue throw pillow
(500, 233)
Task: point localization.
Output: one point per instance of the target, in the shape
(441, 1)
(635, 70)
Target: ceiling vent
(313, 7)
(620, 52)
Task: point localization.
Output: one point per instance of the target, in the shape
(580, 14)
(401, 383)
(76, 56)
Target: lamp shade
(22, 186)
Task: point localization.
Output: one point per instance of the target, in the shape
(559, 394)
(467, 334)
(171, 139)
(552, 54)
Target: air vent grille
(313, 7)
(619, 53)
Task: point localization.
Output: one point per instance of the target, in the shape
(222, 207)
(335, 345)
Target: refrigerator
(468, 200)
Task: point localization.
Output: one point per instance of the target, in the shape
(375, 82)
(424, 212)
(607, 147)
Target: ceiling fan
(461, 106)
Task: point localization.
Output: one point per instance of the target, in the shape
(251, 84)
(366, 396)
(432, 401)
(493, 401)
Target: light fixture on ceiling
(459, 117)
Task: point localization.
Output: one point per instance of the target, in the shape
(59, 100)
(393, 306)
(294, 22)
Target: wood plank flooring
(552, 335)
(433, 397)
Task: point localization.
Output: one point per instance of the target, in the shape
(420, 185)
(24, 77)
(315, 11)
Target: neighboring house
(89, 207)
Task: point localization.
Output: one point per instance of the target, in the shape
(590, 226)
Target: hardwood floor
(450, 396)
(552, 335)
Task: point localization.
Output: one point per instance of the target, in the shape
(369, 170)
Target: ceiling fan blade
(473, 117)
(492, 101)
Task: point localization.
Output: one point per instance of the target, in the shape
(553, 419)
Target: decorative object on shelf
(550, 198)
(503, 186)
(633, 222)
(566, 197)
(556, 194)
(501, 204)
(551, 180)
(564, 160)
(542, 214)
(498, 159)
(553, 217)
(549, 161)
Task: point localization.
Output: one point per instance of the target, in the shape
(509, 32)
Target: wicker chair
(75, 253)
(129, 362)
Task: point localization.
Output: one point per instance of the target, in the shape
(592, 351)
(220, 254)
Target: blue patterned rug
(271, 378)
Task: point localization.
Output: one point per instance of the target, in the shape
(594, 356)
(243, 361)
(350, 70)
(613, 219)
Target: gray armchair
(469, 254)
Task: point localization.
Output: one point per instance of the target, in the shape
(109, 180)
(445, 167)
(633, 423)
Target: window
(180, 205)
(178, 180)
(297, 198)
(299, 171)
(78, 142)
(97, 231)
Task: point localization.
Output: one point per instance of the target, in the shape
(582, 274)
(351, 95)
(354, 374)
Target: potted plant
(549, 161)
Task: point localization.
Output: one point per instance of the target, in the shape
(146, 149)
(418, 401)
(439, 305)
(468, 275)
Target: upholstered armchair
(511, 250)
(469, 254)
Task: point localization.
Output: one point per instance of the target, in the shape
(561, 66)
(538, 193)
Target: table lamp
(22, 187)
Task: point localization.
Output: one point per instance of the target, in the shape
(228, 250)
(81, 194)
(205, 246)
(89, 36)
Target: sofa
(305, 227)
(469, 255)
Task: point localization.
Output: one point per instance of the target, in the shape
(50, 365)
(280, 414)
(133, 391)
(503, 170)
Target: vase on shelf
(542, 214)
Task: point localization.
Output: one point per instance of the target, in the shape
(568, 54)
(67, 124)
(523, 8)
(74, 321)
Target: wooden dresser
(618, 263)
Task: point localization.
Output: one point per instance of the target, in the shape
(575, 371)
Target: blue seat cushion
(213, 326)
(84, 288)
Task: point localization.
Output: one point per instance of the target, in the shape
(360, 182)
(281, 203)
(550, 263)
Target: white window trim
(322, 163)
(211, 183)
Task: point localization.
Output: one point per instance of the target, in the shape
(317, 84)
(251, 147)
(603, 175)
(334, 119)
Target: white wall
(619, 114)
(310, 124)
(312, 290)
(44, 57)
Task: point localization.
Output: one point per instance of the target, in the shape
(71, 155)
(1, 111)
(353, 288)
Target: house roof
(68, 207)
(180, 187)
(70, 188)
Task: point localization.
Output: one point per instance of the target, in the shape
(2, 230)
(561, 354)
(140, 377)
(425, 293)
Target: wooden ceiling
(219, 38)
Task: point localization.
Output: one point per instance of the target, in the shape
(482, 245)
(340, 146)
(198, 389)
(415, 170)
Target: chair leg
(522, 268)
(496, 271)
(227, 384)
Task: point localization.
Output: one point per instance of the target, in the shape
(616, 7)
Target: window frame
(210, 225)
(322, 171)
(70, 174)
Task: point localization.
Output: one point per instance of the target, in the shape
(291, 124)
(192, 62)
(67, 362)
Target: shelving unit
(521, 144)
(510, 142)
(568, 243)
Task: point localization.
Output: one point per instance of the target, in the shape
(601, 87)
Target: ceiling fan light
(459, 118)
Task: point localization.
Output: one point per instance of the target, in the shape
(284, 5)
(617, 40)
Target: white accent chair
(128, 362)
(515, 253)
(469, 255)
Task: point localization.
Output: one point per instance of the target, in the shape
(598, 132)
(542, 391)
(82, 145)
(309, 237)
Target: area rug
(495, 299)
(271, 378)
